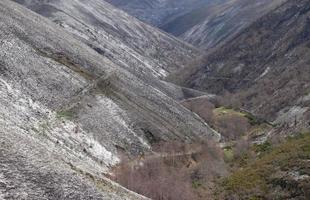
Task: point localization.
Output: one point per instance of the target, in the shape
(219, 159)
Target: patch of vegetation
(41, 128)
(230, 123)
(228, 154)
(253, 120)
(177, 171)
(262, 148)
(259, 130)
(259, 179)
(227, 111)
(65, 114)
(197, 184)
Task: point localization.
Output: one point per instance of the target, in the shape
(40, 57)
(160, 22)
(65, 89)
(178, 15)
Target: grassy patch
(253, 120)
(262, 148)
(230, 123)
(228, 154)
(226, 111)
(65, 114)
(256, 180)
(197, 184)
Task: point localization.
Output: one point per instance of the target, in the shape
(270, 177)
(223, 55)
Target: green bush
(65, 114)
(253, 120)
(264, 147)
(196, 184)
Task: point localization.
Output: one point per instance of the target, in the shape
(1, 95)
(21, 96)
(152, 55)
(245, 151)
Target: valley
(201, 99)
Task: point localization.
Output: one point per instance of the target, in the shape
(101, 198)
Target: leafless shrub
(201, 107)
(157, 180)
(242, 146)
(229, 100)
(232, 127)
(170, 173)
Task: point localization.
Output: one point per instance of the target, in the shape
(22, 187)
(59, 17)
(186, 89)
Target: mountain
(80, 88)
(266, 66)
(159, 12)
(117, 33)
(186, 21)
(221, 21)
(203, 23)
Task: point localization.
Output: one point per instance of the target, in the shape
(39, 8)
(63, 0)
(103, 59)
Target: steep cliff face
(69, 111)
(267, 65)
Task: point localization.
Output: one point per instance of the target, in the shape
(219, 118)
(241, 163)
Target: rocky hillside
(222, 21)
(118, 36)
(158, 12)
(186, 21)
(203, 23)
(73, 100)
(266, 65)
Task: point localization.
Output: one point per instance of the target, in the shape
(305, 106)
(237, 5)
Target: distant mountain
(203, 23)
(186, 21)
(267, 65)
(80, 87)
(159, 12)
(222, 21)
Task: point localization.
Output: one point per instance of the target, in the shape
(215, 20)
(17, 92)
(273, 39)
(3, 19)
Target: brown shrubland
(174, 172)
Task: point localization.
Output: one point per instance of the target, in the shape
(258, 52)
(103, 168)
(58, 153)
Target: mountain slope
(205, 24)
(68, 112)
(158, 12)
(116, 35)
(266, 65)
(146, 78)
(125, 41)
(185, 22)
(222, 21)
